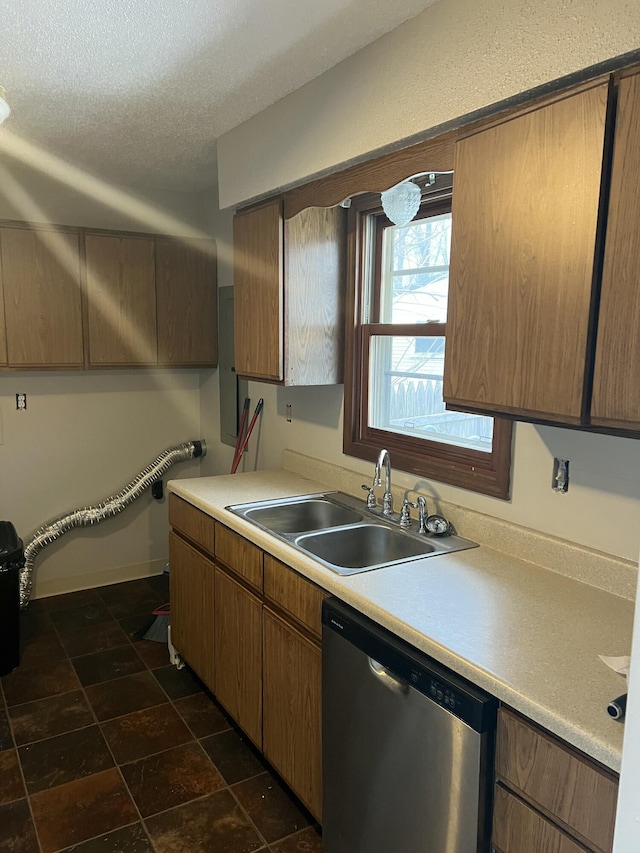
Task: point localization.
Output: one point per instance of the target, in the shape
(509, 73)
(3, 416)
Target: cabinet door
(292, 728)
(258, 283)
(519, 829)
(192, 607)
(42, 298)
(187, 302)
(238, 654)
(525, 211)
(616, 390)
(573, 790)
(314, 283)
(121, 300)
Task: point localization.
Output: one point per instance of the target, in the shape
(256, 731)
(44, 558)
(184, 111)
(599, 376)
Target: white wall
(455, 57)
(75, 198)
(221, 225)
(85, 435)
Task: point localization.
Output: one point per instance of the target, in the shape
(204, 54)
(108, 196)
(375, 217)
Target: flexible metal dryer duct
(86, 516)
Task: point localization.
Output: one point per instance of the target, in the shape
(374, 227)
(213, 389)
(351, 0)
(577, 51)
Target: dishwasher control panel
(439, 691)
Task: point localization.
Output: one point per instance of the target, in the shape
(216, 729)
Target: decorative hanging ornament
(401, 202)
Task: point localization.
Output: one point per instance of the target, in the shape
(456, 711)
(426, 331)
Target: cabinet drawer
(297, 596)
(191, 522)
(576, 792)
(239, 555)
(519, 829)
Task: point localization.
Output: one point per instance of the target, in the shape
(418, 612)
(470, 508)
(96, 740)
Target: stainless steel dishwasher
(407, 746)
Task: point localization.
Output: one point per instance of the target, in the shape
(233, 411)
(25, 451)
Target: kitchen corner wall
(85, 435)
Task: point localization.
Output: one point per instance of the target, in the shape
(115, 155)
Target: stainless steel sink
(302, 514)
(341, 533)
(364, 546)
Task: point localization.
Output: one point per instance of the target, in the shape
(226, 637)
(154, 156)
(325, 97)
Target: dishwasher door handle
(385, 677)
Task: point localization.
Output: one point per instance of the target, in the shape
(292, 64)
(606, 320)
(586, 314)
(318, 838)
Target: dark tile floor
(106, 748)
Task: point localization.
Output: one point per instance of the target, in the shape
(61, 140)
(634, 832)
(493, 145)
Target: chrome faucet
(387, 498)
(422, 514)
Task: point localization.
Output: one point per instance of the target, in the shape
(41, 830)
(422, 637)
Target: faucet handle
(371, 497)
(405, 514)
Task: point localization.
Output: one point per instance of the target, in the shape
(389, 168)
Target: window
(396, 344)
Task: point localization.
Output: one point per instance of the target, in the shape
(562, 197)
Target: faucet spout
(422, 514)
(387, 498)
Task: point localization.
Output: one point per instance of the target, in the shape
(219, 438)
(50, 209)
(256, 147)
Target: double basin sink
(341, 533)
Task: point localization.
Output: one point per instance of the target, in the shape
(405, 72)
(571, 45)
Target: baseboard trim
(73, 583)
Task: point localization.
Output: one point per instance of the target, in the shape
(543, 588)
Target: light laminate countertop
(527, 635)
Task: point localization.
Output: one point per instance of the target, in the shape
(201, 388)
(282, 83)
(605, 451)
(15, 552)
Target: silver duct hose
(57, 527)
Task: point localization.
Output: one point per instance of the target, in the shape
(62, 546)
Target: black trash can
(11, 561)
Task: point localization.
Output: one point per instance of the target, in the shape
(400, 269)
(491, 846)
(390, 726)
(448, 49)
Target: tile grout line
(97, 723)
(115, 764)
(27, 797)
(170, 700)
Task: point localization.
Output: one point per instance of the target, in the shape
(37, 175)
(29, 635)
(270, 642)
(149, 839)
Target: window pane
(405, 394)
(415, 274)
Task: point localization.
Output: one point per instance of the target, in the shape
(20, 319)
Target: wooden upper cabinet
(186, 293)
(121, 299)
(42, 298)
(289, 294)
(525, 216)
(616, 388)
(258, 298)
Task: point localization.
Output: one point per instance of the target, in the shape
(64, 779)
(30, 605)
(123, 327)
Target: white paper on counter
(617, 664)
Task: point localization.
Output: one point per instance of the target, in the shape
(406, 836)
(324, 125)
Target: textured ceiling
(138, 91)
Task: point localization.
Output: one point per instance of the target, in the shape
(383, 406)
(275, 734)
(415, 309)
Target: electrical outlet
(21, 402)
(560, 481)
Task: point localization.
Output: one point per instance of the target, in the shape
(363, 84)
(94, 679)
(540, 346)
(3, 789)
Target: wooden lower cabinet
(254, 639)
(192, 523)
(238, 654)
(292, 696)
(548, 793)
(241, 556)
(192, 607)
(517, 828)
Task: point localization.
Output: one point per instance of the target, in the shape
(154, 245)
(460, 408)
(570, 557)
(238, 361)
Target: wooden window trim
(487, 474)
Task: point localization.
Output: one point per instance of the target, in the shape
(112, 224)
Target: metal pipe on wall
(91, 515)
